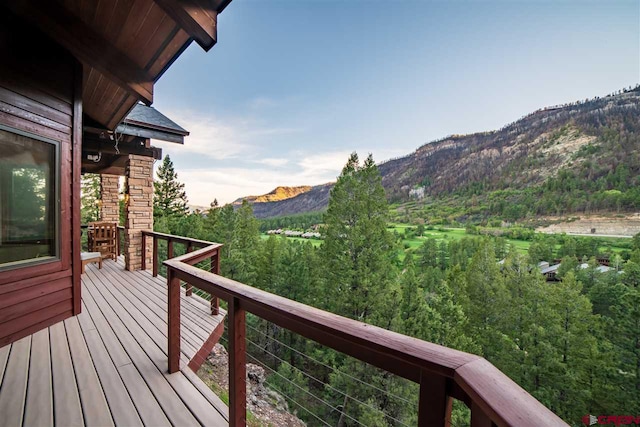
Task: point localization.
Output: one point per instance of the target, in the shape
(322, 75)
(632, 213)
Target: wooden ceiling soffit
(86, 45)
(197, 18)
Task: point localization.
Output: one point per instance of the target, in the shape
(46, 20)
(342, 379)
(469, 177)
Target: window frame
(57, 229)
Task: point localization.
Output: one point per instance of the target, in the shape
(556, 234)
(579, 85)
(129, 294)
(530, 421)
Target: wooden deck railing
(211, 254)
(442, 373)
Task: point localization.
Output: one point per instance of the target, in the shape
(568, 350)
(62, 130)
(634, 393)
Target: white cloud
(221, 139)
(262, 102)
(322, 164)
(229, 184)
(273, 162)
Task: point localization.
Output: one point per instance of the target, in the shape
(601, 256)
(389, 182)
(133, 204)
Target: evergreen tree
(358, 249)
(169, 197)
(89, 197)
(211, 220)
(243, 248)
(428, 253)
(416, 317)
(487, 301)
(576, 348)
(626, 339)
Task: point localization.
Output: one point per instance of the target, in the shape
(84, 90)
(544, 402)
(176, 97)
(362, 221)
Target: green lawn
(610, 244)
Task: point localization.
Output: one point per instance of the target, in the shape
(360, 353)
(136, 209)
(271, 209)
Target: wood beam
(197, 18)
(90, 145)
(86, 45)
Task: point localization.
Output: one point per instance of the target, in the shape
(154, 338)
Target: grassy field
(610, 244)
(449, 234)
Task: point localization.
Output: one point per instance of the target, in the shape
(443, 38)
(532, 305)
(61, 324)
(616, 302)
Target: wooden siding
(107, 366)
(39, 94)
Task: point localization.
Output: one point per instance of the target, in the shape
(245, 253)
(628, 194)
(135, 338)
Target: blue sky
(294, 86)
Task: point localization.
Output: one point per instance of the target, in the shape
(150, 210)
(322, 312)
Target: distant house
(550, 272)
(311, 235)
(600, 268)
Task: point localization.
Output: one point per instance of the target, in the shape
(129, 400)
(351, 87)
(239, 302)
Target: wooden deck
(108, 366)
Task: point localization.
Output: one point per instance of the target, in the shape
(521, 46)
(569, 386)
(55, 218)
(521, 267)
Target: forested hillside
(577, 158)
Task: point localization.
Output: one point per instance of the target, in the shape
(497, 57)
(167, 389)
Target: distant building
(550, 272)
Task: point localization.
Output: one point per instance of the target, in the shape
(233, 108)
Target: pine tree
(575, 346)
(428, 253)
(89, 197)
(169, 197)
(211, 221)
(487, 298)
(625, 336)
(243, 248)
(358, 249)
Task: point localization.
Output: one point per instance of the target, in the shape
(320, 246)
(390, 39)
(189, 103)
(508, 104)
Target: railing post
(169, 248)
(214, 267)
(189, 287)
(118, 249)
(173, 289)
(433, 407)
(237, 365)
(479, 418)
(155, 256)
(144, 248)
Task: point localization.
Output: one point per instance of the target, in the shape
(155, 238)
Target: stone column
(110, 208)
(139, 210)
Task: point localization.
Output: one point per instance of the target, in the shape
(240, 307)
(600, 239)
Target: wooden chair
(102, 237)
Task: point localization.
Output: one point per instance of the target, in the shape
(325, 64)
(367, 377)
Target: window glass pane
(28, 201)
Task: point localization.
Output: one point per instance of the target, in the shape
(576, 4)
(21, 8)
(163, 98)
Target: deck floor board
(4, 356)
(66, 398)
(92, 398)
(138, 348)
(108, 365)
(15, 379)
(155, 316)
(39, 405)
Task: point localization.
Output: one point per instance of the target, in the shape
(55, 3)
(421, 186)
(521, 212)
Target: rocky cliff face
(278, 194)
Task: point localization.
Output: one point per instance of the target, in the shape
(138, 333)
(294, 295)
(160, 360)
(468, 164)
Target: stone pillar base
(138, 211)
(110, 208)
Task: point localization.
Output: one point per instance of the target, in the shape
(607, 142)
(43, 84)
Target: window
(29, 199)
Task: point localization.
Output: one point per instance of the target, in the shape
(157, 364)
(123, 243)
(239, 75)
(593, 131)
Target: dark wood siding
(39, 94)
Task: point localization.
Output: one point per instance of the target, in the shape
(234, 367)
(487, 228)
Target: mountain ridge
(279, 193)
(527, 153)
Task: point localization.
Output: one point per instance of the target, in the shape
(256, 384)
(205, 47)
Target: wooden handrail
(211, 252)
(441, 372)
(177, 239)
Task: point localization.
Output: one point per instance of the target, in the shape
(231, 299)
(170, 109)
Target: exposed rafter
(86, 45)
(198, 18)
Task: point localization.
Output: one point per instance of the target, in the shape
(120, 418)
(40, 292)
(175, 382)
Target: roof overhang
(124, 46)
(107, 152)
